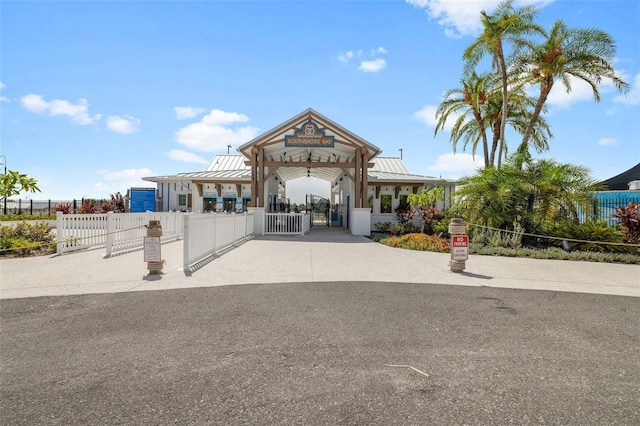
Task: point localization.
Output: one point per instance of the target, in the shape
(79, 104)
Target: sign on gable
(308, 135)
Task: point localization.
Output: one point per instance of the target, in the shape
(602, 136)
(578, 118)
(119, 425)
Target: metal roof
(232, 167)
(389, 165)
(226, 162)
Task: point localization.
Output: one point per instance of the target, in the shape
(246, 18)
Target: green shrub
(397, 230)
(419, 241)
(382, 226)
(592, 234)
(24, 239)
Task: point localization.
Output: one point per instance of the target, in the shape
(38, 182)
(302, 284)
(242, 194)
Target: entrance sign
(152, 249)
(460, 247)
(308, 135)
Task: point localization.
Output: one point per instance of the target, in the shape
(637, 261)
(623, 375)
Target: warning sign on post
(152, 249)
(460, 247)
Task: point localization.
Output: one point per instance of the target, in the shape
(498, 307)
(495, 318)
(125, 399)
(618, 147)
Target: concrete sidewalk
(323, 255)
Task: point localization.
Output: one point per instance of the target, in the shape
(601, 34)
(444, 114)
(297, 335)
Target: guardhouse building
(364, 186)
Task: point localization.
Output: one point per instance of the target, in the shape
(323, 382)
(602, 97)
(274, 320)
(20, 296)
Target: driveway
(317, 353)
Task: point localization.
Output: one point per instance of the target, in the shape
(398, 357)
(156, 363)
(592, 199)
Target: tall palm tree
(478, 105)
(506, 25)
(466, 101)
(586, 54)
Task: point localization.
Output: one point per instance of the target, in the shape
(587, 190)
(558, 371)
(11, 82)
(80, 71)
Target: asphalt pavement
(319, 329)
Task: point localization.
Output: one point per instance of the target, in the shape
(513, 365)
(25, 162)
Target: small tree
(424, 203)
(13, 183)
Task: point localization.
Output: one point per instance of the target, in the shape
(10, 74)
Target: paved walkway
(323, 255)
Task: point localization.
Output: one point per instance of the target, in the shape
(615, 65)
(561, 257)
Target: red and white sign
(460, 247)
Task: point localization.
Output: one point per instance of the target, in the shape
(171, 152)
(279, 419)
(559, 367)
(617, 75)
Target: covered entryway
(310, 143)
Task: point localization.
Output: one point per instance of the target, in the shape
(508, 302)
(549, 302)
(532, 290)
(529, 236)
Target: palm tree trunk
(545, 88)
(494, 144)
(483, 133)
(505, 94)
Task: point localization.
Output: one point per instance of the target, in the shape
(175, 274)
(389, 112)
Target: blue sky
(95, 95)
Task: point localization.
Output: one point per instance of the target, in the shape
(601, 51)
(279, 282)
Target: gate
(319, 210)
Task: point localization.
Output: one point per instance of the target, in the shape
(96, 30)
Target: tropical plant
(424, 204)
(480, 98)
(88, 207)
(566, 53)
(629, 220)
(507, 26)
(13, 183)
(65, 208)
(402, 213)
(590, 235)
(542, 193)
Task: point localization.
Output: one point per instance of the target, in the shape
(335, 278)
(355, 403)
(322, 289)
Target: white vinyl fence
(116, 232)
(207, 233)
(287, 223)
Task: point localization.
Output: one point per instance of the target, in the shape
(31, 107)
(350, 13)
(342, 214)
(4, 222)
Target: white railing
(117, 232)
(207, 233)
(287, 223)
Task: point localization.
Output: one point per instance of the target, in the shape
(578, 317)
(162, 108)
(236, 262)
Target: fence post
(185, 243)
(111, 228)
(60, 232)
(31, 208)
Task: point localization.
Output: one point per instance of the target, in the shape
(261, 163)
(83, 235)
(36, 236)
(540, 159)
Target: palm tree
(505, 25)
(586, 54)
(465, 101)
(480, 97)
(542, 193)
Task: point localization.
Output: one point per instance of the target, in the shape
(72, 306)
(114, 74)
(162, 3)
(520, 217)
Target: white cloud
(633, 97)
(215, 131)
(462, 18)
(3, 99)
(79, 112)
(222, 118)
(607, 141)
(123, 125)
(2, 86)
(121, 180)
(34, 103)
(372, 66)
(427, 115)
(454, 166)
(186, 156)
(187, 112)
(345, 57)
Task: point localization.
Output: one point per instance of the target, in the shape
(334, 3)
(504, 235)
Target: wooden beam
(365, 179)
(378, 187)
(396, 191)
(238, 190)
(260, 174)
(358, 186)
(349, 175)
(305, 164)
(272, 171)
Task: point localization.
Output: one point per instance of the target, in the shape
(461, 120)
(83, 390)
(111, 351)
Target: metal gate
(319, 210)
